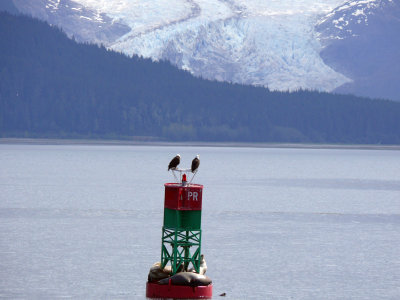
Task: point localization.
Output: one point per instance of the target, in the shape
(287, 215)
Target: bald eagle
(195, 163)
(174, 162)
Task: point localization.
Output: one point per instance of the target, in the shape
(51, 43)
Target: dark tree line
(51, 86)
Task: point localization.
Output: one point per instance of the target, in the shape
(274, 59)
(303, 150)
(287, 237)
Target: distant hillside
(362, 41)
(51, 86)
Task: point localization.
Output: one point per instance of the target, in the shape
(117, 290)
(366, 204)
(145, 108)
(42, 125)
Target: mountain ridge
(51, 86)
(363, 44)
(283, 46)
(249, 42)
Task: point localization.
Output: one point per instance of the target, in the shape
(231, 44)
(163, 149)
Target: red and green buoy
(181, 243)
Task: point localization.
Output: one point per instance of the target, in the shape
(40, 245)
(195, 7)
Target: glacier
(264, 43)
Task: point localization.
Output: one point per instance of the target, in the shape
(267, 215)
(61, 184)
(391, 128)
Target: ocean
(84, 221)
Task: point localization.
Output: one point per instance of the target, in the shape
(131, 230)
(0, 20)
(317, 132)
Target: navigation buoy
(180, 274)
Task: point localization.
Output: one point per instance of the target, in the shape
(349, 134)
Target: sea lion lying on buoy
(156, 272)
(203, 266)
(187, 278)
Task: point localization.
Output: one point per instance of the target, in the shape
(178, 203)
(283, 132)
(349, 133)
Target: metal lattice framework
(181, 247)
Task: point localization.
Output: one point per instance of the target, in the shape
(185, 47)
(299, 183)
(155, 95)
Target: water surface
(84, 221)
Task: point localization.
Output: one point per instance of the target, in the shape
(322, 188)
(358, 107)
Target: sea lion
(156, 272)
(187, 278)
(203, 266)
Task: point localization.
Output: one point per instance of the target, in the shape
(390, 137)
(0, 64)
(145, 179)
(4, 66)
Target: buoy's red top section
(180, 197)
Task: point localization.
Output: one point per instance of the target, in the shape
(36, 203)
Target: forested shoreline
(53, 87)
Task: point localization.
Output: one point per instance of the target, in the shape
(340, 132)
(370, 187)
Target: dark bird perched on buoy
(174, 162)
(195, 163)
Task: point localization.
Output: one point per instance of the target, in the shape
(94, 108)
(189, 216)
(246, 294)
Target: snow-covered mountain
(354, 17)
(361, 39)
(270, 43)
(82, 22)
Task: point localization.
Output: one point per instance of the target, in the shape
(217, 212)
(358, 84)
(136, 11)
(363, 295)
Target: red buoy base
(155, 290)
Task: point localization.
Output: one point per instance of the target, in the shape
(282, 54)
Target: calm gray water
(84, 222)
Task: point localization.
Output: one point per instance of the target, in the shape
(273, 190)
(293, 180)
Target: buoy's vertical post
(181, 232)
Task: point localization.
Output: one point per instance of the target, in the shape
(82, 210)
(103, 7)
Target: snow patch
(358, 12)
(53, 4)
(87, 18)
